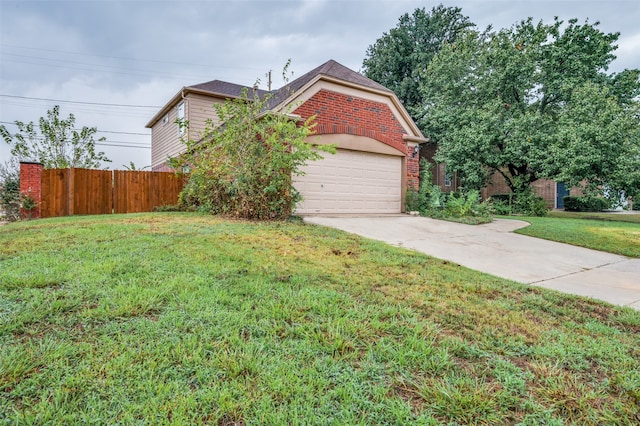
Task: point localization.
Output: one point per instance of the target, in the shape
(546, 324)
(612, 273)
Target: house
(551, 191)
(377, 141)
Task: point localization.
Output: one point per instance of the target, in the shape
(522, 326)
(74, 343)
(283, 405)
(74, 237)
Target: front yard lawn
(610, 232)
(173, 318)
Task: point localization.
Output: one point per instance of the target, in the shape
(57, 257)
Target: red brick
(31, 184)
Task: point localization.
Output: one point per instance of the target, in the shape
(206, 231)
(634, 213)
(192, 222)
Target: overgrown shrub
(586, 204)
(9, 192)
(27, 203)
(432, 200)
(429, 200)
(244, 167)
(526, 203)
(502, 204)
(412, 200)
(462, 203)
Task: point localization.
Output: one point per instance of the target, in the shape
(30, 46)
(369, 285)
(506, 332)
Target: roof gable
(330, 68)
(334, 69)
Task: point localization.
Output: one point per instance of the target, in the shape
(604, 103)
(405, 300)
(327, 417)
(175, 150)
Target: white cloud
(628, 52)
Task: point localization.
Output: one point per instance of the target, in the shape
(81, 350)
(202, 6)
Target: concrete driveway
(494, 248)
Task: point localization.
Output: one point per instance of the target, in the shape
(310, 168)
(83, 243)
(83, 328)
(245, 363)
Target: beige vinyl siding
(166, 139)
(199, 109)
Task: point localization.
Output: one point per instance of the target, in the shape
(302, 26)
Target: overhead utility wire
(102, 68)
(123, 145)
(89, 109)
(125, 58)
(107, 142)
(99, 131)
(80, 102)
(126, 144)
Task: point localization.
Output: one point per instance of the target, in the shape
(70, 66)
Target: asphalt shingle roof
(225, 88)
(330, 68)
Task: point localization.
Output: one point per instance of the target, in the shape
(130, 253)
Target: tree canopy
(55, 142)
(534, 101)
(398, 58)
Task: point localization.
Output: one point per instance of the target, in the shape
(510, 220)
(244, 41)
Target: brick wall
(497, 185)
(544, 188)
(31, 184)
(413, 172)
(338, 113)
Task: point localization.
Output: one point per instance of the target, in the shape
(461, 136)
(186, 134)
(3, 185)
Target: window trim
(448, 177)
(181, 117)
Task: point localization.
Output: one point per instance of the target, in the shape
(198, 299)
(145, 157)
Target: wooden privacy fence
(65, 192)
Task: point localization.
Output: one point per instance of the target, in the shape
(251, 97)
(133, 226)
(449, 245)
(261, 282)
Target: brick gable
(340, 113)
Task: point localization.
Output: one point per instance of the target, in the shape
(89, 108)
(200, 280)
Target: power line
(106, 142)
(101, 68)
(123, 145)
(89, 109)
(122, 133)
(80, 102)
(125, 58)
(98, 131)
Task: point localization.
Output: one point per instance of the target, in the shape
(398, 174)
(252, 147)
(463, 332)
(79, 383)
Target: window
(447, 177)
(181, 127)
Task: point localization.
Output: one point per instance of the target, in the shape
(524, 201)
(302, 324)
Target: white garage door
(351, 182)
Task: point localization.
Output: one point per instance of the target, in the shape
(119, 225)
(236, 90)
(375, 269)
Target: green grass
(173, 318)
(607, 217)
(613, 233)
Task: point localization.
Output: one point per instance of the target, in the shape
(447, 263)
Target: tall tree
(532, 101)
(397, 59)
(55, 143)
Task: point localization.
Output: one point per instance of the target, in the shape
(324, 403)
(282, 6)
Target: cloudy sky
(113, 64)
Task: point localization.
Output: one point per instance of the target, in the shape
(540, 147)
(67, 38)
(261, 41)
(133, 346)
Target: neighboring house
(552, 192)
(377, 156)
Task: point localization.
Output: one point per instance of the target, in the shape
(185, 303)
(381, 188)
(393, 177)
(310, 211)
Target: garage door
(351, 182)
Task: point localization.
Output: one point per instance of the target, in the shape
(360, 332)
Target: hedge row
(585, 204)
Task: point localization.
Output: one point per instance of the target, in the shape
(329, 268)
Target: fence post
(31, 186)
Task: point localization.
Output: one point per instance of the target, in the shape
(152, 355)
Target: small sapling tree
(55, 142)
